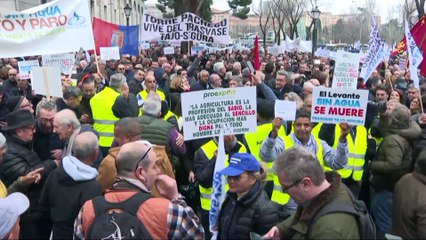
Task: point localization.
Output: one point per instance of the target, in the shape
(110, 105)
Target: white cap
(10, 208)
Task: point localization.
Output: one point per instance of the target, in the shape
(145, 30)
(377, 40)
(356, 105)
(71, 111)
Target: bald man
(72, 184)
(168, 217)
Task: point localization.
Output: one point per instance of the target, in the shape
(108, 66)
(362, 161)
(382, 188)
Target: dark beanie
(14, 102)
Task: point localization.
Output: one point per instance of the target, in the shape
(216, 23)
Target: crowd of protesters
(117, 133)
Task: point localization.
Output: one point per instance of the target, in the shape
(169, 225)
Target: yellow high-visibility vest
(277, 195)
(356, 153)
(206, 193)
(255, 140)
(144, 94)
(103, 116)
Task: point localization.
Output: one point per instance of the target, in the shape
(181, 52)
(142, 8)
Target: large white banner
(339, 105)
(206, 112)
(185, 27)
(55, 27)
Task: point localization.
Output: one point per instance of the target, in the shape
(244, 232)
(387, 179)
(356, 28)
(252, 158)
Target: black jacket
(18, 161)
(64, 197)
(252, 213)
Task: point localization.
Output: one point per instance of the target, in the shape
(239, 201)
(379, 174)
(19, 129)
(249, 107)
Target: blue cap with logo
(240, 163)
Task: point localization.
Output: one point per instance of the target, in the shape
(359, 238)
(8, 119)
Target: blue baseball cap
(240, 163)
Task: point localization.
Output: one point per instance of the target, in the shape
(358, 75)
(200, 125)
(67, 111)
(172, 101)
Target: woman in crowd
(415, 106)
(398, 96)
(246, 208)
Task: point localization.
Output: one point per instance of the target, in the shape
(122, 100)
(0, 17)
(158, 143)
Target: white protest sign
(339, 105)
(169, 50)
(375, 53)
(275, 50)
(346, 70)
(174, 43)
(196, 49)
(185, 27)
(109, 53)
(65, 62)
(145, 45)
(322, 52)
(47, 81)
(285, 109)
(55, 27)
(25, 68)
(205, 112)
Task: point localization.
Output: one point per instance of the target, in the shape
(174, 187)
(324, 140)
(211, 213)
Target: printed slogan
(234, 110)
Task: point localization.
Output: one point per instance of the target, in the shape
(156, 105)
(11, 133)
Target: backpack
(118, 225)
(366, 226)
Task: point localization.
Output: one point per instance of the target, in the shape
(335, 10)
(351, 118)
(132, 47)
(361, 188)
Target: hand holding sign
(276, 125)
(345, 130)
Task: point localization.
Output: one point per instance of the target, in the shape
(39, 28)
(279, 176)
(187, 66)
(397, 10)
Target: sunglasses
(145, 154)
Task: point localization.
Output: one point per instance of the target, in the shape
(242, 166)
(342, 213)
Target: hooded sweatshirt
(66, 190)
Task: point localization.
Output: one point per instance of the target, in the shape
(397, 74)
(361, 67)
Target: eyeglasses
(121, 69)
(284, 189)
(45, 120)
(143, 156)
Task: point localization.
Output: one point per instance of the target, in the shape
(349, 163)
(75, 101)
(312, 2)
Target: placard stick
(46, 84)
(96, 62)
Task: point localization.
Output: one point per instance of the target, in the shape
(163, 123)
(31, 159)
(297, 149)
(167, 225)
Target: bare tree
(409, 9)
(293, 11)
(278, 19)
(420, 6)
(264, 13)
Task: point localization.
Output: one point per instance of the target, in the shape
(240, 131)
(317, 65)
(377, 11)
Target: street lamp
(315, 14)
(127, 12)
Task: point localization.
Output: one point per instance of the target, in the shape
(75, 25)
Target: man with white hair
(108, 106)
(157, 130)
(67, 126)
(220, 69)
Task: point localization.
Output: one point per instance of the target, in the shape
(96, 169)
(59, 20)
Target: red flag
(419, 34)
(256, 57)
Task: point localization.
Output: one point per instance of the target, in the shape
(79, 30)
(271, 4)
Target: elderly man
(108, 106)
(164, 218)
(20, 160)
(69, 186)
(67, 126)
(203, 81)
(301, 175)
(282, 84)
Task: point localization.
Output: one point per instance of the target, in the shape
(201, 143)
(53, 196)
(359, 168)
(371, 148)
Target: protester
(246, 208)
(164, 218)
(301, 175)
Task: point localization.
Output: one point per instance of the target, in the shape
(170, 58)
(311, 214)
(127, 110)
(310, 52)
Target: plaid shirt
(182, 222)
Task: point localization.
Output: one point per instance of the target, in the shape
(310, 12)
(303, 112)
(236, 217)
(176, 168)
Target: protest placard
(144, 45)
(285, 109)
(346, 70)
(65, 62)
(25, 68)
(339, 105)
(185, 27)
(196, 49)
(232, 109)
(47, 81)
(169, 50)
(110, 53)
(55, 27)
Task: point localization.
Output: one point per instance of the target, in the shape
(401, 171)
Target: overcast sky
(385, 8)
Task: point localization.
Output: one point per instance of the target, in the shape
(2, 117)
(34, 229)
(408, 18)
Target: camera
(381, 106)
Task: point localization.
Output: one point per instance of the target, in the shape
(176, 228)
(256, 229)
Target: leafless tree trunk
(264, 14)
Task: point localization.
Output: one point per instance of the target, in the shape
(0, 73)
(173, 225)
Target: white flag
(414, 55)
(375, 54)
(219, 182)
